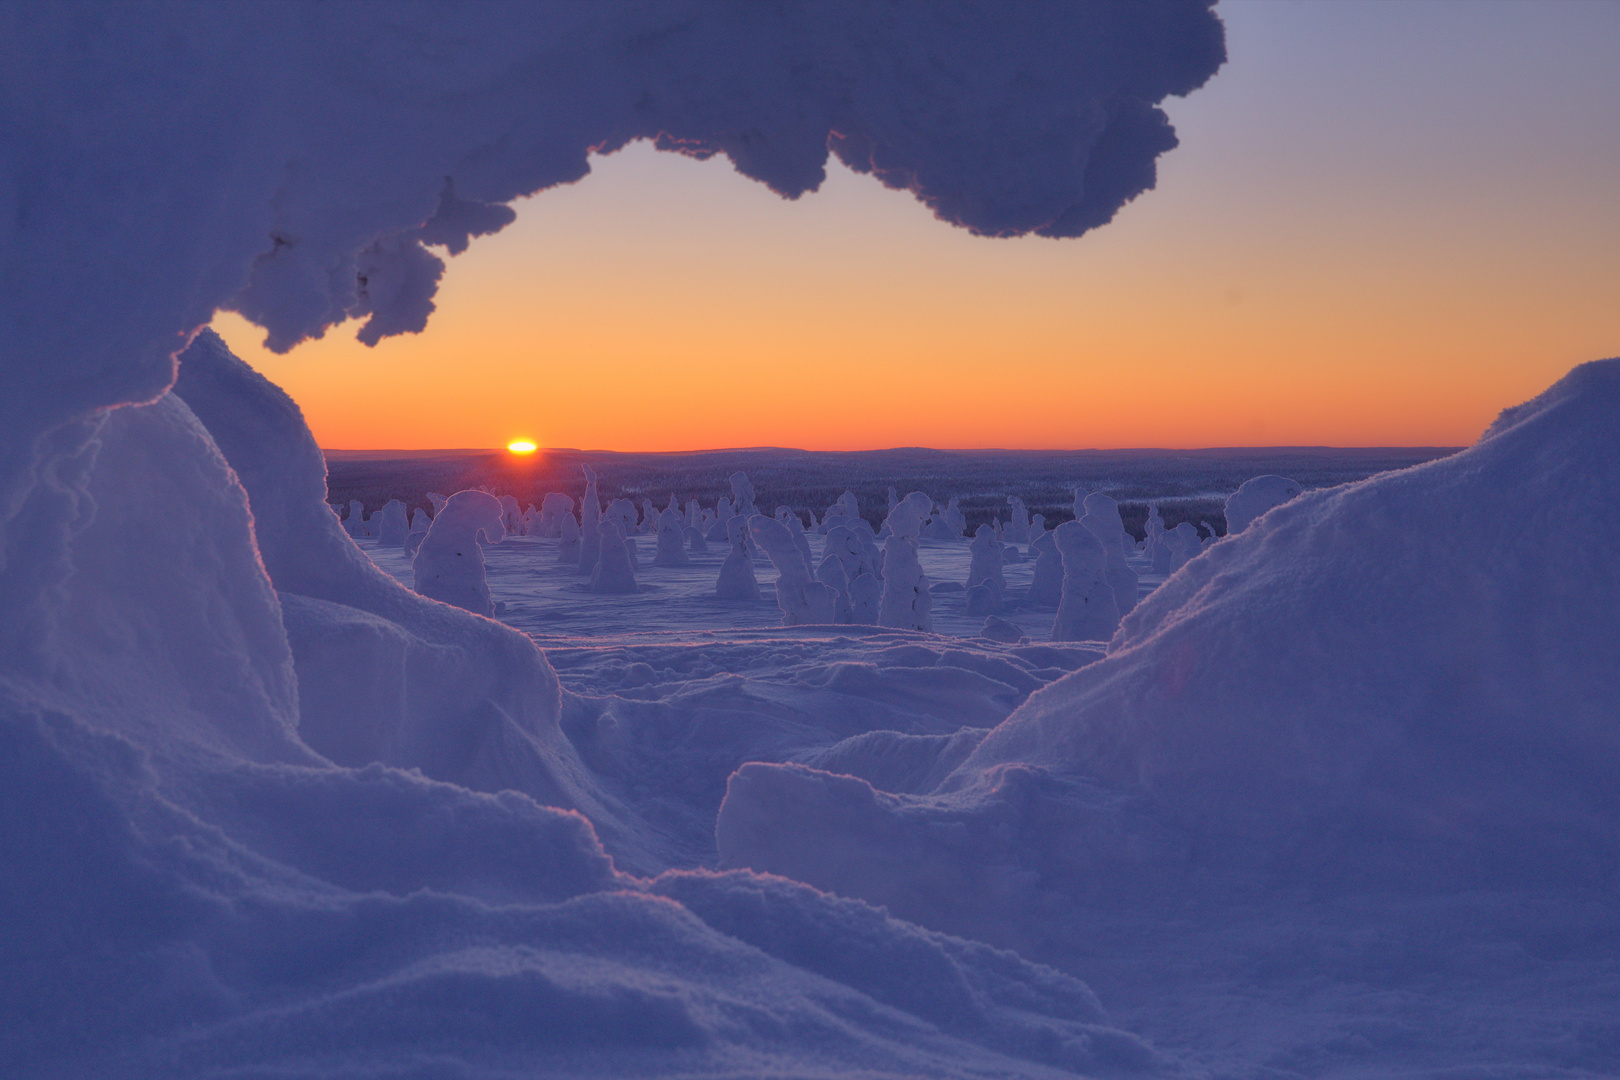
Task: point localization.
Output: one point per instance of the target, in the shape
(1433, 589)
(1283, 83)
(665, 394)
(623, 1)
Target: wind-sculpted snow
(188, 889)
(259, 126)
(1318, 698)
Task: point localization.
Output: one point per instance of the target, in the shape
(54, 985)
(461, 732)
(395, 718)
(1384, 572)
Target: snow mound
(1315, 700)
(165, 827)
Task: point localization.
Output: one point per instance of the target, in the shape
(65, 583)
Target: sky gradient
(1385, 222)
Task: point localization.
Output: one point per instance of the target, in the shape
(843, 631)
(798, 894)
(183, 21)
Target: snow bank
(166, 827)
(1317, 701)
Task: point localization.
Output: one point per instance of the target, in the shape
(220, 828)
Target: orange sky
(1326, 260)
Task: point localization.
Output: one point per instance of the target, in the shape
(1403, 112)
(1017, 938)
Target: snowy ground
(1271, 984)
(548, 600)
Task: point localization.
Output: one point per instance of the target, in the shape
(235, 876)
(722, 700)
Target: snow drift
(1397, 683)
(165, 825)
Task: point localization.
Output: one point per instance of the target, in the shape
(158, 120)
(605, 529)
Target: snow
(1255, 497)
(1337, 799)
(1087, 610)
(449, 563)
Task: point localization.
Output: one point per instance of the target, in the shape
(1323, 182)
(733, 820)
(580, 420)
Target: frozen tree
(723, 513)
(947, 523)
(392, 525)
(1016, 530)
(355, 523)
(649, 516)
(905, 602)
(907, 515)
(695, 544)
(1046, 587)
(1255, 497)
(845, 510)
(671, 540)
(590, 523)
(1155, 547)
(1087, 611)
(614, 572)
(568, 531)
(854, 549)
(984, 565)
(437, 500)
(449, 564)
(801, 598)
(1182, 543)
(736, 580)
(511, 515)
(795, 528)
(865, 599)
(1102, 519)
(553, 508)
(1037, 527)
(624, 512)
(831, 574)
(742, 494)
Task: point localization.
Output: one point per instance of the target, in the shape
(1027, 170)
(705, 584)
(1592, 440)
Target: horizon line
(471, 451)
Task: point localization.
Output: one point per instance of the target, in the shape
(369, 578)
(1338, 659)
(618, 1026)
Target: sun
(521, 446)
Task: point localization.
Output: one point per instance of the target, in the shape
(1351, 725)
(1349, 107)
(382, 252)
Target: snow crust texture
(270, 810)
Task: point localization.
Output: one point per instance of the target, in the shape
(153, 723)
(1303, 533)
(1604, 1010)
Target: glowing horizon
(1342, 264)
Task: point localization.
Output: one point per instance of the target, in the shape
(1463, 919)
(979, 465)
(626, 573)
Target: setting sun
(521, 446)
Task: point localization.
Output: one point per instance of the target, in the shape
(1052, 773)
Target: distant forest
(1189, 485)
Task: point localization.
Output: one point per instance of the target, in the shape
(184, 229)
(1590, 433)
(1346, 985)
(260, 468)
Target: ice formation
(511, 515)
(450, 559)
(737, 580)
(1255, 497)
(614, 571)
(1046, 586)
(830, 572)
(802, 598)
(355, 523)
(906, 516)
(671, 540)
(568, 550)
(1102, 519)
(795, 528)
(1086, 610)
(590, 524)
(266, 813)
(393, 526)
(553, 508)
(742, 494)
(1016, 531)
(1154, 544)
(843, 512)
(723, 513)
(1181, 543)
(905, 602)
(624, 512)
(985, 567)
